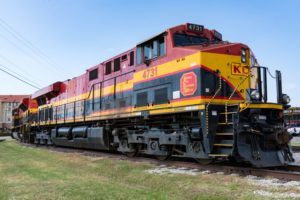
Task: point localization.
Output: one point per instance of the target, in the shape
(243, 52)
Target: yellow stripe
(179, 109)
(184, 103)
(33, 110)
(44, 106)
(263, 105)
(109, 90)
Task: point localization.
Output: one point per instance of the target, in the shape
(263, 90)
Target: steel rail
(296, 148)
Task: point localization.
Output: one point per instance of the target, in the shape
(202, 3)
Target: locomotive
(184, 92)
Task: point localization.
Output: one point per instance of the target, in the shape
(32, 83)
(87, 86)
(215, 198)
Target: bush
(5, 133)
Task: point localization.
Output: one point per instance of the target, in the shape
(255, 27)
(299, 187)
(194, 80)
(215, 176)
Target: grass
(31, 173)
(295, 141)
(296, 144)
(4, 134)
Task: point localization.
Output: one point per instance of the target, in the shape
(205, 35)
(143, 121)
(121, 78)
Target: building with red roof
(7, 104)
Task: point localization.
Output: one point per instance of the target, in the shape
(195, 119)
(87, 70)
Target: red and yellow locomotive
(184, 92)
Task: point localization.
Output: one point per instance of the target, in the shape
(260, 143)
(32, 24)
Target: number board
(195, 27)
(218, 35)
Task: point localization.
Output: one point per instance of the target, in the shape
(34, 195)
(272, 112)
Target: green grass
(4, 134)
(31, 173)
(296, 144)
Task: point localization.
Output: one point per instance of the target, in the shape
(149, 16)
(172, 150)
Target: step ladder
(224, 137)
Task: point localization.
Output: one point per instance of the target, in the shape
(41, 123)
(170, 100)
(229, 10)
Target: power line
(11, 71)
(23, 76)
(39, 53)
(26, 42)
(24, 51)
(22, 39)
(17, 77)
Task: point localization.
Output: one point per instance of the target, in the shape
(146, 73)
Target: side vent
(161, 96)
(142, 99)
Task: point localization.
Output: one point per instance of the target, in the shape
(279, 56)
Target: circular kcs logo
(188, 84)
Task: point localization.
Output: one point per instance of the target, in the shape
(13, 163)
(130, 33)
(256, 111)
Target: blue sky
(74, 35)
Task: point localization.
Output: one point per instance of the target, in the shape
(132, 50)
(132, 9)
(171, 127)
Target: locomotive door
(97, 97)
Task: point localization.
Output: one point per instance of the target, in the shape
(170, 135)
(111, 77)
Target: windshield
(187, 40)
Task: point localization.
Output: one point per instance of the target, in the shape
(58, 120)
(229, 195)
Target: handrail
(231, 95)
(213, 97)
(104, 80)
(92, 89)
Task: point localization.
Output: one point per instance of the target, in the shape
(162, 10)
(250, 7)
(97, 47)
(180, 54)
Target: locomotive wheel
(131, 154)
(162, 158)
(166, 157)
(204, 161)
(135, 151)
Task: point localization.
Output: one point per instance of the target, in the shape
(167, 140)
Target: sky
(53, 40)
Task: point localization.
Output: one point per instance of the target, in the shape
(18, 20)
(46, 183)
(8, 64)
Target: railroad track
(287, 173)
(296, 148)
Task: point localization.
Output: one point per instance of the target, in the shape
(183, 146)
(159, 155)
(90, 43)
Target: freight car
(184, 92)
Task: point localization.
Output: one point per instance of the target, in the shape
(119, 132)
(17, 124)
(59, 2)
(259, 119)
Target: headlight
(243, 59)
(243, 55)
(285, 99)
(243, 52)
(255, 95)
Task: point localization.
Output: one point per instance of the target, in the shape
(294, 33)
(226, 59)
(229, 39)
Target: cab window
(181, 39)
(131, 57)
(108, 68)
(162, 46)
(151, 49)
(93, 74)
(117, 64)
